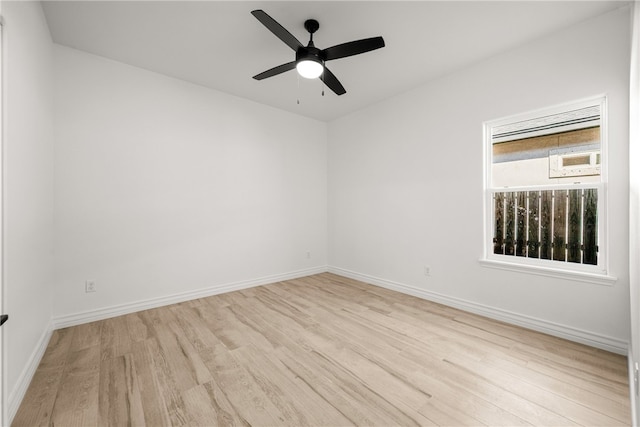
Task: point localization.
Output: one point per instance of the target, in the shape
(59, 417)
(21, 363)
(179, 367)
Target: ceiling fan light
(309, 69)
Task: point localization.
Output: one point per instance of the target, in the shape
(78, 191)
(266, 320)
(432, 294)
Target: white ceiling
(220, 45)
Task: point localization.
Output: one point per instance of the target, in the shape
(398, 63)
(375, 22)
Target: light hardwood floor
(322, 350)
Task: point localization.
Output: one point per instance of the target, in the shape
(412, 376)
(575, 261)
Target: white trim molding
(562, 331)
(633, 387)
(634, 204)
(17, 394)
(598, 279)
(118, 310)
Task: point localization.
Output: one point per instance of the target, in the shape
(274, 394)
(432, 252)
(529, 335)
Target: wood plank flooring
(319, 351)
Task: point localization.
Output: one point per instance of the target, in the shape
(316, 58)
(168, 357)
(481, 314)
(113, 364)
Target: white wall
(405, 180)
(164, 187)
(28, 191)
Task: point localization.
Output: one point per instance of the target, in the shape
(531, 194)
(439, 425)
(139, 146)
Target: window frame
(599, 273)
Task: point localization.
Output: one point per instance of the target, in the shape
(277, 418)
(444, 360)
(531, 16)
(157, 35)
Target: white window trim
(599, 274)
(598, 279)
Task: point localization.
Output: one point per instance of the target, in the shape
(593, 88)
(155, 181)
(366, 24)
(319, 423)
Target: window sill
(598, 279)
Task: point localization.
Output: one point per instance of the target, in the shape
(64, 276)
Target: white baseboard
(17, 394)
(573, 334)
(118, 310)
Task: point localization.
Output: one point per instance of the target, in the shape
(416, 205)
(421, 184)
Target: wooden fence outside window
(551, 224)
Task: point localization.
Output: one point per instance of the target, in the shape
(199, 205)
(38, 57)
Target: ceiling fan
(310, 61)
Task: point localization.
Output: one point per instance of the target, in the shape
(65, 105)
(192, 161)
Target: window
(545, 189)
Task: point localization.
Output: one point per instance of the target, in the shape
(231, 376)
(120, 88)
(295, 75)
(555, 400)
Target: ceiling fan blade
(277, 29)
(352, 48)
(332, 82)
(276, 70)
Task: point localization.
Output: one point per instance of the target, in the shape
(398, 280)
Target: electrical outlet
(90, 286)
(427, 270)
(308, 254)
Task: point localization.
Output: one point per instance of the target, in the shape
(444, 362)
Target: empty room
(320, 213)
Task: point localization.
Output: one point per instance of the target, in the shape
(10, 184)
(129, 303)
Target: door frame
(634, 215)
(4, 413)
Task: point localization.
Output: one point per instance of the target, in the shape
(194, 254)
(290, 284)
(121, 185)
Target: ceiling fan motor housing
(310, 53)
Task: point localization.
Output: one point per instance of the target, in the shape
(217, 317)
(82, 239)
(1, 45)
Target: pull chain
(298, 89)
